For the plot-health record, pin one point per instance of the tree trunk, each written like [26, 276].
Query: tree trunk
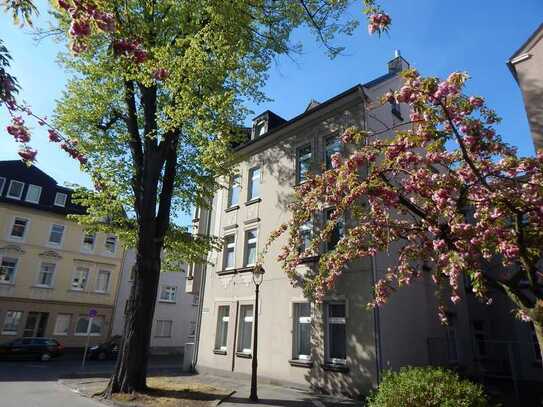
[131, 369]
[538, 327]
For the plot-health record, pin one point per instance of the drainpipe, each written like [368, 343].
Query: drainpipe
[376, 325]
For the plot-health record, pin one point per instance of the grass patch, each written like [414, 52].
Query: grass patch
[171, 392]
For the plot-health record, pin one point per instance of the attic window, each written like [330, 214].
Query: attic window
[260, 128]
[60, 199]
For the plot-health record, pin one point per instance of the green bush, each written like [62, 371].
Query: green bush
[426, 387]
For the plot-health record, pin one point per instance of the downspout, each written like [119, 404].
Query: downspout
[201, 292]
[376, 313]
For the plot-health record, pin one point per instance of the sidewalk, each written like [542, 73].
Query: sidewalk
[269, 395]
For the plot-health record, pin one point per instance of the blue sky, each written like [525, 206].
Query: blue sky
[435, 36]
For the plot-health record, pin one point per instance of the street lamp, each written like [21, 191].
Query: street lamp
[258, 275]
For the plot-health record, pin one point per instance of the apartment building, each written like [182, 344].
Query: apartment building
[52, 272]
[338, 346]
[526, 66]
[175, 312]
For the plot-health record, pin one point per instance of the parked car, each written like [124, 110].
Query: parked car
[106, 350]
[42, 349]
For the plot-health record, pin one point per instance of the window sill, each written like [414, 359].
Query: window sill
[244, 355]
[47, 287]
[102, 292]
[232, 208]
[75, 290]
[247, 269]
[9, 333]
[219, 352]
[167, 302]
[253, 201]
[301, 363]
[85, 334]
[8, 283]
[335, 367]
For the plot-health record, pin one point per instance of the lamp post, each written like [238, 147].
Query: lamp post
[258, 275]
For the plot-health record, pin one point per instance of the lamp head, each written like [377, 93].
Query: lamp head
[258, 274]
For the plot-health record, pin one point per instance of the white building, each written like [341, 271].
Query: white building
[175, 312]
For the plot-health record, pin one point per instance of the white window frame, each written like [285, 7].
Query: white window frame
[306, 226]
[169, 290]
[241, 323]
[12, 182]
[225, 250]
[20, 317]
[89, 325]
[103, 271]
[299, 178]
[159, 328]
[40, 270]
[78, 271]
[251, 183]
[55, 244]
[248, 241]
[2, 184]
[223, 322]
[297, 321]
[34, 188]
[12, 281]
[61, 203]
[235, 182]
[83, 247]
[106, 250]
[335, 321]
[55, 329]
[25, 233]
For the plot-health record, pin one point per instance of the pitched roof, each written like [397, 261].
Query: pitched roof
[536, 36]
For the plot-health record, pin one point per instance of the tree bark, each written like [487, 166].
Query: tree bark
[538, 328]
[130, 373]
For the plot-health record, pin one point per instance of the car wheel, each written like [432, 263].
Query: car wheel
[102, 356]
[45, 357]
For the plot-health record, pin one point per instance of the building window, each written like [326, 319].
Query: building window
[8, 269]
[254, 183]
[163, 328]
[15, 189]
[335, 333]
[395, 109]
[260, 128]
[337, 232]
[18, 230]
[229, 252]
[331, 146]
[56, 234]
[111, 244]
[479, 336]
[2, 183]
[88, 242]
[303, 162]
[234, 190]
[46, 275]
[102, 282]
[62, 324]
[11, 322]
[60, 199]
[245, 333]
[95, 329]
[33, 193]
[80, 278]
[306, 234]
[221, 336]
[168, 293]
[302, 331]
[250, 247]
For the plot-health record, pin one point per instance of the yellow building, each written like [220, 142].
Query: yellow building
[52, 273]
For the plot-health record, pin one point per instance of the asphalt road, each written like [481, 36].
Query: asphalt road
[35, 384]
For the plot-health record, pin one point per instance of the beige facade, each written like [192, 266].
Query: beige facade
[53, 273]
[527, 67]
[338, 346]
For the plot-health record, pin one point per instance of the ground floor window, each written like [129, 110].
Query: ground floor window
[11, 322]
[245, 333]
[163, 328]
[335, 332]
[221, 336]
[96, 328]
[62, 324]
[302, 331]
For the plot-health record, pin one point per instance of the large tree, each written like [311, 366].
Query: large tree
[151, 111]
[444, 189]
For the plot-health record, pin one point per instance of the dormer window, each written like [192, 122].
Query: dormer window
[33, 193]
[60, 199]
[15, 190]
[260, 128]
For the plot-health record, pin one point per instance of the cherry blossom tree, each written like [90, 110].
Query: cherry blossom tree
[447, 191]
